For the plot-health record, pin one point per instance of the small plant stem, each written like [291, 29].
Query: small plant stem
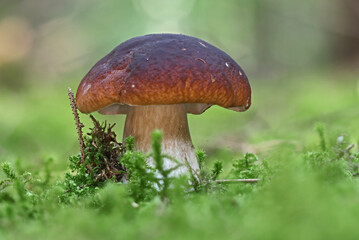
[248, 180]
[79, 125]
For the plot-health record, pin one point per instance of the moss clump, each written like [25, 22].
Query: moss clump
[102, 161]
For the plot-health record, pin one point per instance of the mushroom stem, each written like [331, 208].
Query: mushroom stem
[141, 121]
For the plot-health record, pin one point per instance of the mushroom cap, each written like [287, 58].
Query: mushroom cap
[161, 69]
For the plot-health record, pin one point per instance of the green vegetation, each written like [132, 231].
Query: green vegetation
[300, 137]
[306, 159]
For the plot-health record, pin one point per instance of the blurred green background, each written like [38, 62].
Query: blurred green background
[301, 58]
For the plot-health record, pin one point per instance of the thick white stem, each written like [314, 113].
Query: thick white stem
[141, 121]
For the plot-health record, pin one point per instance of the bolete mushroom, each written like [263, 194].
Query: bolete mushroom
[156, 80]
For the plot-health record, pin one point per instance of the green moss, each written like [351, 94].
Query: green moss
[308, 186]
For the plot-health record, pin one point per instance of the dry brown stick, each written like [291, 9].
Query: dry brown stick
[79, 125]
[248, 180]
[110, 165]
[98, 177]
[104, 174]
[106, 164]
[347, 149]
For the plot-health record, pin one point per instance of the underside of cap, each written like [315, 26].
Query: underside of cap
[116, 108]
[162, 69]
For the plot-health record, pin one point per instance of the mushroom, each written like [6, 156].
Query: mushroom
[156, 80]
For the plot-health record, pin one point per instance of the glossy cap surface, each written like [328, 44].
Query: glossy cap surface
[161, 69]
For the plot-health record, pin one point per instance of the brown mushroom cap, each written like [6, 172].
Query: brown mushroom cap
[161, 69]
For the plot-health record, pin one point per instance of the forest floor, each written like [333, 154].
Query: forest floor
[300, 138]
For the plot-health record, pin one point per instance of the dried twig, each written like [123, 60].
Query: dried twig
[347, 149]
[248, 180]
[79, 125]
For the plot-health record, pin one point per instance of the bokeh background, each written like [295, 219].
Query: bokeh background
[301, 57]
